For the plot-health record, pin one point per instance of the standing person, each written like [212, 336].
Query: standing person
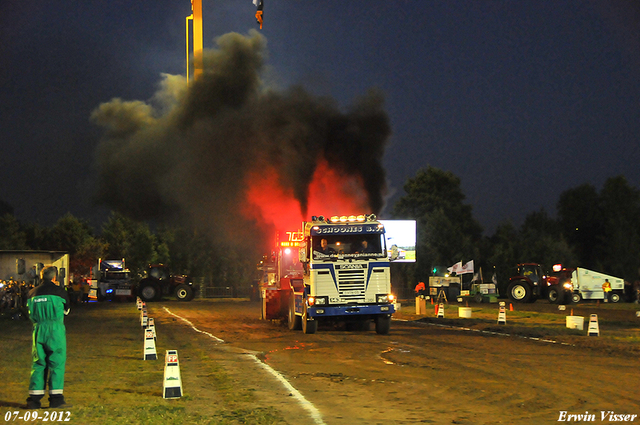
[606, 288]
[47, 305]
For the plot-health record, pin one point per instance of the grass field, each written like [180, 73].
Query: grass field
[108, 382]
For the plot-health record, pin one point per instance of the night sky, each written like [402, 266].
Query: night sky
[521, 100]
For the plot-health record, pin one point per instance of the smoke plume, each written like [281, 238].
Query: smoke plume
[230, 155]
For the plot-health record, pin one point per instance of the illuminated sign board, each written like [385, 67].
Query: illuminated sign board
[401, 240]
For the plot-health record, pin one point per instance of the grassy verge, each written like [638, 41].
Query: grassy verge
[108, 382]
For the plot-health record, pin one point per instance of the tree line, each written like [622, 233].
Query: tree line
[184, 251]
[597, 230]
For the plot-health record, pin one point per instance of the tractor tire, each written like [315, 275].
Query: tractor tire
[478, 298]
[614, 297]
[555, 294]
[294, 321]
[383, 324]
[149, 292]
[309, 326]
[519, 292]
[184, 293]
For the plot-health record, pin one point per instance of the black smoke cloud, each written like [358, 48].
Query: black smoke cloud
[185, 153]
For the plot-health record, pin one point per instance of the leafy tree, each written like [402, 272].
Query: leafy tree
[603, 228]
[447, 231]
[619, 243]
[505, 249]
[36, 235]
[131, 240]
[541, 241]
[580, 218]
[67, 234]
[76, 237]
[11, 236]
[5, 208]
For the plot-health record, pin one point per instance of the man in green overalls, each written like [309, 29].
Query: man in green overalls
[48, 303]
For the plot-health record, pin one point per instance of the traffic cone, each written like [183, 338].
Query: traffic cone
[594, 329]
[441, 310]
[510, 307]
[172, 387]
[149, 346]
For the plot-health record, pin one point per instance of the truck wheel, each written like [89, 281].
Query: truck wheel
[614, 297]
[148, 292]
[519, 292]
[294, 321]
[184, 293]
[309, 326]
[576, 298]
[555, 295]
[478, 298]
[383, 324]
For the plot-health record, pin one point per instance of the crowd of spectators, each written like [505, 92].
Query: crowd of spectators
[13, 295]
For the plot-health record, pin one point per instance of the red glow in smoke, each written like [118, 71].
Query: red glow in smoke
[330, 193]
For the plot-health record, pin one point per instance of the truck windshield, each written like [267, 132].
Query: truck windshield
[290, 263]
[348, 246]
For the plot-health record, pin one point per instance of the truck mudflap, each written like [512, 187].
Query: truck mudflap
[351, 310]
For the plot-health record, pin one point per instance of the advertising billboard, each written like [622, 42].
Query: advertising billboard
[401, 240]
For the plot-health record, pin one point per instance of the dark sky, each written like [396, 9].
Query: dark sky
[520, 99]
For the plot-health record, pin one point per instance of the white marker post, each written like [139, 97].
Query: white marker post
[149, 346]
[172, 387]
[152, 325]
[594, 329]
[502, 314]
[143, 318]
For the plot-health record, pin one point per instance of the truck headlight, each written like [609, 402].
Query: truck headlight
[568, 285]
[311, 301]
[385, 298]
[322, 301]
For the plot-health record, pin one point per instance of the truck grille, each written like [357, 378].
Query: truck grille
[351, 284]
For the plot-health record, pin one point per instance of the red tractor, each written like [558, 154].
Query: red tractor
[159, 282]
[531, 283]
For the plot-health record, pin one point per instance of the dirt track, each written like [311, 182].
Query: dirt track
[426, 373]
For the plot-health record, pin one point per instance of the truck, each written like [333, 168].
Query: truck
[341, 274]
[159, 282]
[589, 285]
[111, 280]
[530, 283]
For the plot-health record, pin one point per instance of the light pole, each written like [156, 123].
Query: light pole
[196, 18]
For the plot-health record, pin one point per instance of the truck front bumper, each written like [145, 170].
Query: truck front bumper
[351, 310]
